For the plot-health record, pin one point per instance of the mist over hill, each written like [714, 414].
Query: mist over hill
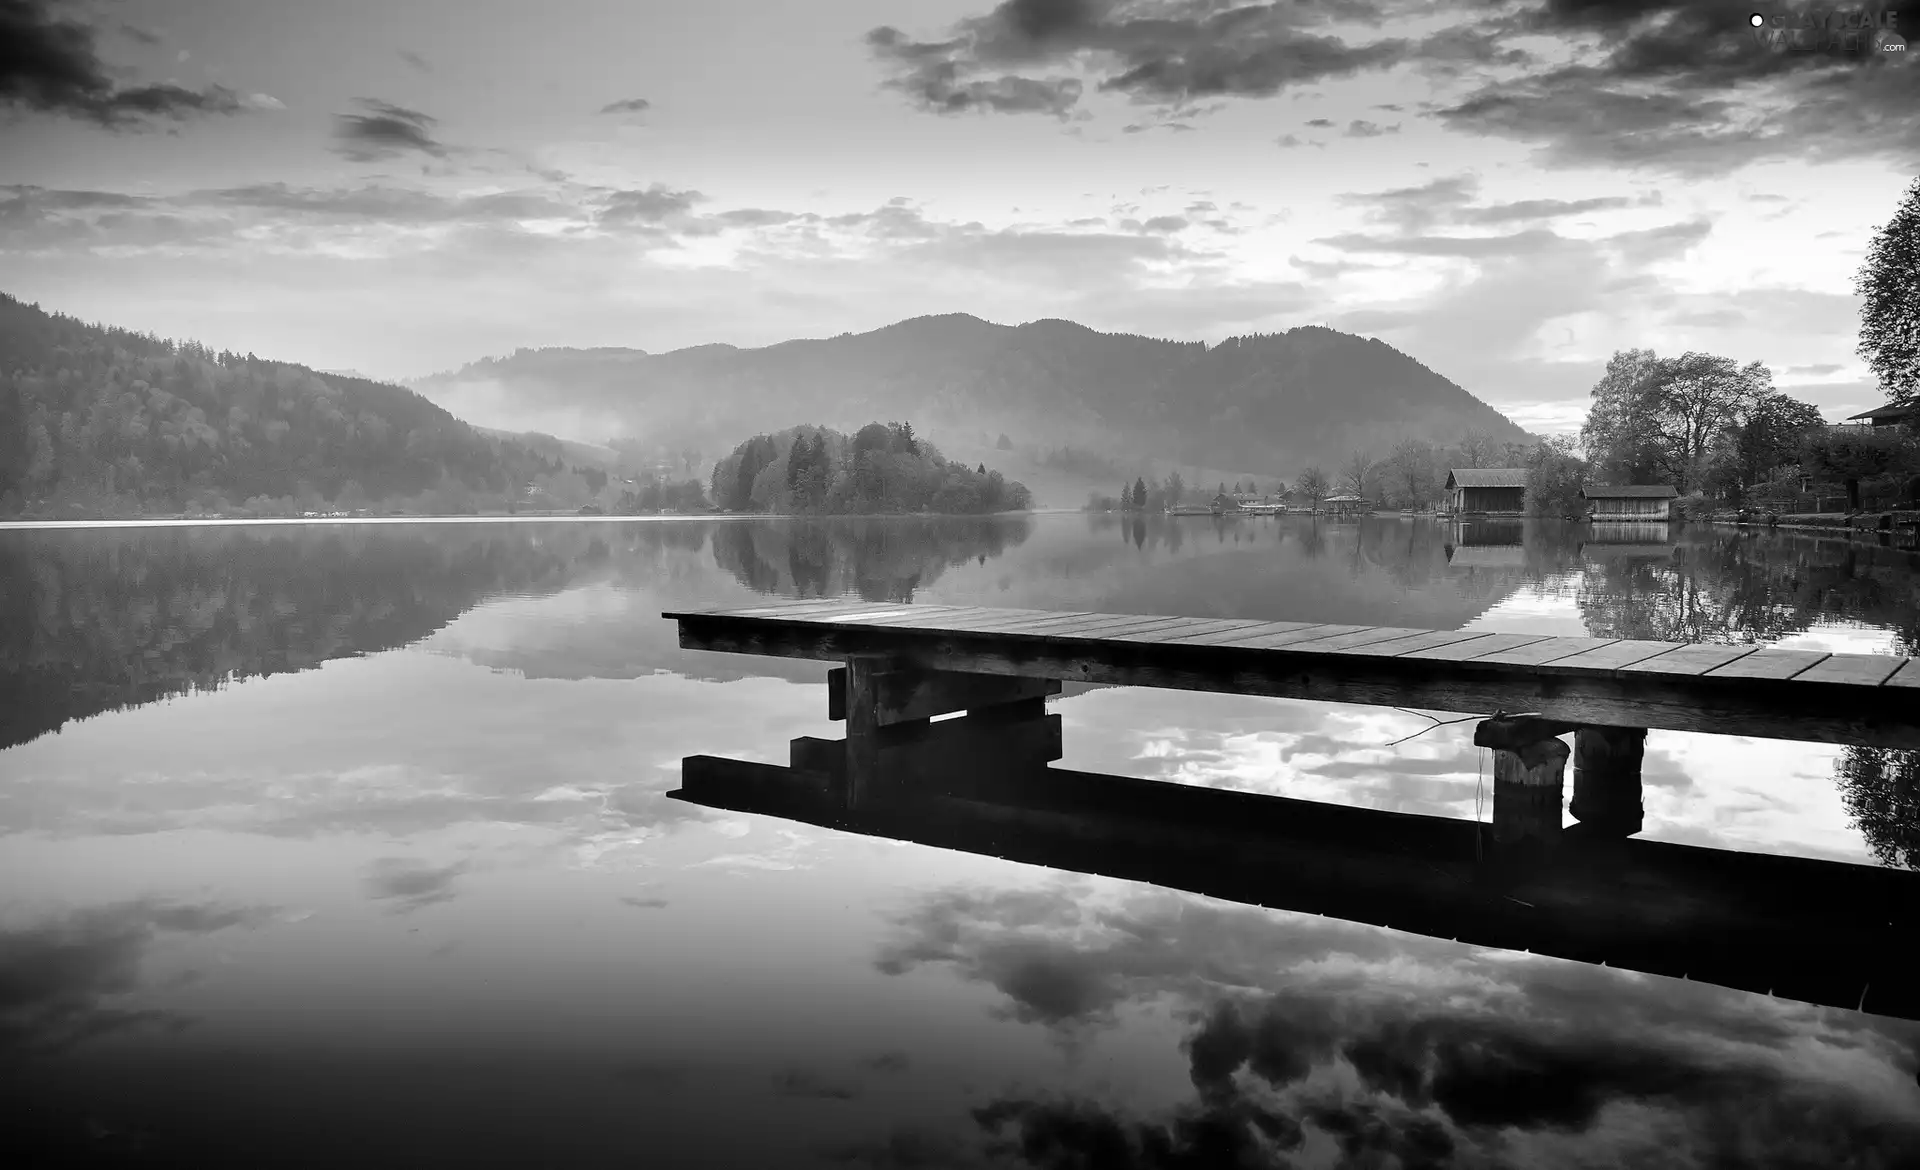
[1258, 402]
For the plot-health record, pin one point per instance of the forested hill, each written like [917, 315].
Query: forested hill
[1311, 393]
[103, 421]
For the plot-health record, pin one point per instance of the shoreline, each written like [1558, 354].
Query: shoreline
[561, 518]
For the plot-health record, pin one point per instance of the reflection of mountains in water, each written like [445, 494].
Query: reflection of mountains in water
[100, 620]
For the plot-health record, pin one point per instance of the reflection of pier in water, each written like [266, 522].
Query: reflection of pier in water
[1824, 932]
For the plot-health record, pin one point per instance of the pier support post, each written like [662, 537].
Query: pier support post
[1528, 785]
[893, 749]
[1606, 779]
[863, 728]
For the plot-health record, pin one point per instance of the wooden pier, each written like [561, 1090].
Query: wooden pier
[982, 782]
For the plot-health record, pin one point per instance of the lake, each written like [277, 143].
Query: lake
[350, 844]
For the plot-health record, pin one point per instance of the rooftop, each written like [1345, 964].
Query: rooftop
[1487, 477]
[1631, 491]
[1891, 412]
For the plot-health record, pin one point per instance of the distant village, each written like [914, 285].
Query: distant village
[1826, 484]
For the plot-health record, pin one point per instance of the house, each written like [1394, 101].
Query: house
[1493, 491]
[1225, 502]
[1347, 505]
[1888, 416]
[1642, 502]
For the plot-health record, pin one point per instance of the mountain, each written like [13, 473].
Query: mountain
[103, 421]
[1262, 402]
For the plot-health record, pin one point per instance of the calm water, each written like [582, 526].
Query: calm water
[350, 845]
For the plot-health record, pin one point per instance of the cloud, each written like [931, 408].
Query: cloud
[627, 106]
[1665, 85]
[1402, 1051]
[655, 204]
[134, 32]
[58, 978]
[1359, 128]
[385, 131]
[416, 60]
[1682, 86]
[1171, 56]
[411, 883]
[51, 65]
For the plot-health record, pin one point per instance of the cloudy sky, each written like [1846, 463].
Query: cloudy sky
[1508, 190]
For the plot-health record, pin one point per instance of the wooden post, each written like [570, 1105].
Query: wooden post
[1606, 779]
[863, 729]
[1528, 784]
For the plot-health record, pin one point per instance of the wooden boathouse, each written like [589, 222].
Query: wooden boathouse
[1824, 932]
[1632, 503]
[1487, 491]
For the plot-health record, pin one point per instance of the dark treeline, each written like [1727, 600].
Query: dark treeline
[105, 421]
[884, 467]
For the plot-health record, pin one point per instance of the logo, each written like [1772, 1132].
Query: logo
[1817, 29]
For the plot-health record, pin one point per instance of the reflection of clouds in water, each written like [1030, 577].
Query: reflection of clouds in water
[412, 884]
[59, 976]
[1344, 1042]
[400, 745]
[1726, 791]
[1303, 750]
[1844, 638]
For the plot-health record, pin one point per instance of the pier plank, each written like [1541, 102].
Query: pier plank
[1425, 640]
[916, 616]
[1688, 660]
[1851, 669]
[1264, 629]
[1769, 663]
[1471, 651]
[1540, 653]
[1608, 658]
[1364, 636]
[798, 609]
[1906, 676]
[1263, 641]
[1117, 626]
[1190, 627]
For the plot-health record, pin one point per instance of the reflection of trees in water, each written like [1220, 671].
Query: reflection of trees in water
[877, 560]
[1881, 789]
[1722, 586]
[97, 621]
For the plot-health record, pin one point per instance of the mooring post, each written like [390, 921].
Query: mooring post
[1528, 786]
[1606, 779]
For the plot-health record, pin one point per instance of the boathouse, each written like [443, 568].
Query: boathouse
[1887, 417]
[1347, 505]
[1631, 502]
[1493, 491]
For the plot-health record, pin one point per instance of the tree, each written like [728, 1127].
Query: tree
[1662, 417]
[1615, 441]
[1852, 454]
[1410, 470]
[1356, 473]
[1312, 483]
[1139, 494]
[1477, 449]
[1004, 443]
[1770, 434]
[1889, 288]
[1880, 788]
[1176, 488]
[1555, 475]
